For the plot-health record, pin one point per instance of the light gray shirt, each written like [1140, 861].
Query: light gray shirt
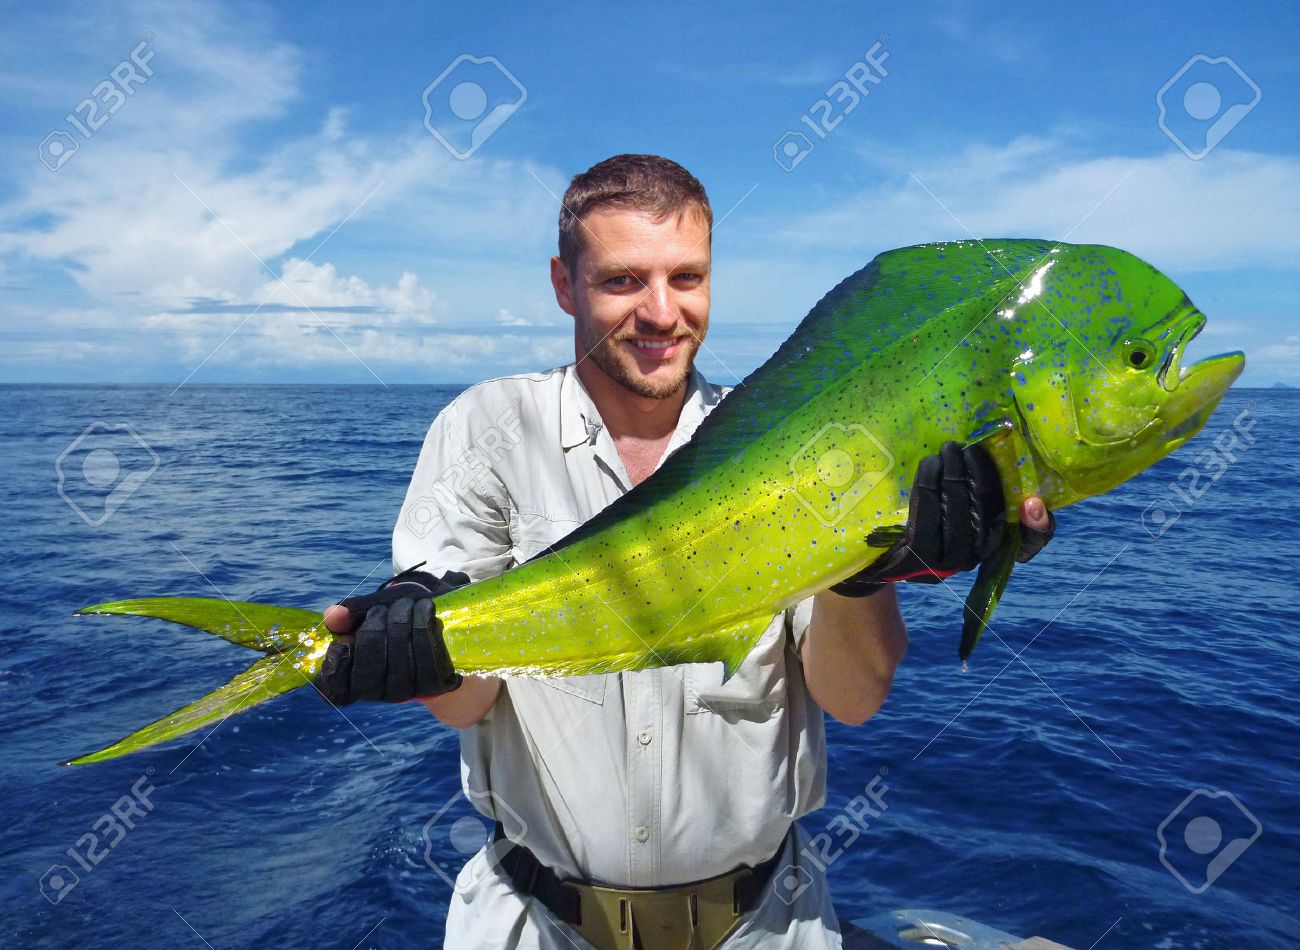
[633, 779]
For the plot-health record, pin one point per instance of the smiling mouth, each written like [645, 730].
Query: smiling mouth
[655, 344]
[655, 348]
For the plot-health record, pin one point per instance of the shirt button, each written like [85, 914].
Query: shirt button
[642, 833]
[643, 737]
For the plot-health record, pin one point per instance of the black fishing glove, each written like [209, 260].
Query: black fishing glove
[399, 653]
[955, 521]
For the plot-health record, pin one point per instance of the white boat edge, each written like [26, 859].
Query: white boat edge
[911, 928]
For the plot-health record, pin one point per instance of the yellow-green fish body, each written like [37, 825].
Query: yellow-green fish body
[1064, 359]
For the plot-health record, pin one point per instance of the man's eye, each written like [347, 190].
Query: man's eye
[687, 277]
[621, 281]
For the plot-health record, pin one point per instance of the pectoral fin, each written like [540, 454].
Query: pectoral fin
[983, 598]
[886, 536]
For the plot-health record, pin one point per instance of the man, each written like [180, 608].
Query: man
[675, 791]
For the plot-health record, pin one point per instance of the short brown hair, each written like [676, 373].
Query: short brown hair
[650, 183]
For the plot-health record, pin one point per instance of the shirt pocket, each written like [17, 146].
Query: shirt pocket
[532, 532]
[564, 698]
[757, 690]
[591, 687]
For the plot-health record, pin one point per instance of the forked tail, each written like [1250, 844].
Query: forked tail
[293, 639]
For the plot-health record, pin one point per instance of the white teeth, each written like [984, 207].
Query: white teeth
[653, 344]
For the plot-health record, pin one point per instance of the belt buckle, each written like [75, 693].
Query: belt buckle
[693, 917]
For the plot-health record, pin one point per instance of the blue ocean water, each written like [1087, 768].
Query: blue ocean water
[1138, 685]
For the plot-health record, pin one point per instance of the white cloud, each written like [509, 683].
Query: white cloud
[149, 223]
[984, 35]
[1232, 210]
[1216, 227]
[338, 343]
[186, 211]
[303, 284]
[462, 246]
[1280, 358]
[335, 125]
[547, 318]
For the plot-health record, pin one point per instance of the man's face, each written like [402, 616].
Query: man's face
[639, 297]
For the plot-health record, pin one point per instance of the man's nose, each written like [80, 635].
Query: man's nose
[656, 309]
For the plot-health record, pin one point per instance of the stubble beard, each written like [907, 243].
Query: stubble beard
[620, 367]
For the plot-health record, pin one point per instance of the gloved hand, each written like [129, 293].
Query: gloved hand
[398, 653]
[955, 521]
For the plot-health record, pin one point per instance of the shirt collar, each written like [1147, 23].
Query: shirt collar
[580, 420]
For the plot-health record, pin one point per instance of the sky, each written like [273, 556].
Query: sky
[197, 192]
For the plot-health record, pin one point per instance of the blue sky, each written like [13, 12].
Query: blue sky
[268, 205]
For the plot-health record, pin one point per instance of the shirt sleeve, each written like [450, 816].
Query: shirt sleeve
[455, 516]
[798, 617]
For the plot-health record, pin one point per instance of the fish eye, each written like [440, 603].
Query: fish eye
[1139, 354]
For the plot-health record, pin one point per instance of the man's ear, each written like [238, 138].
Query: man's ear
[562, 281]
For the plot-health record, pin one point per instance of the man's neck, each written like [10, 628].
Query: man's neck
[629, 415]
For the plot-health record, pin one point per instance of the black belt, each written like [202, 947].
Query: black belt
[531, 878]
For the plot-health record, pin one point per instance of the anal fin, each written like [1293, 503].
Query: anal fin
[729, 645]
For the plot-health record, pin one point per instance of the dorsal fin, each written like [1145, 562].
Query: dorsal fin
[896, 293]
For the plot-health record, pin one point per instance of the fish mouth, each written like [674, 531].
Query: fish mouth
[1199, 387]
[1172, 372]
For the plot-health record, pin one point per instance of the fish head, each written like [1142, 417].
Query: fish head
[1105, 393]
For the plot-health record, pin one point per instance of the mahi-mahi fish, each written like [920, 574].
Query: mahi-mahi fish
[1065, 360]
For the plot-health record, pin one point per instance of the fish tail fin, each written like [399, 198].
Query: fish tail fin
[983, 598]
[262, 627]
[267, 678]
[294, 639]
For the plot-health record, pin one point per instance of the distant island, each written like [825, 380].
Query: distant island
[1283, 386]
